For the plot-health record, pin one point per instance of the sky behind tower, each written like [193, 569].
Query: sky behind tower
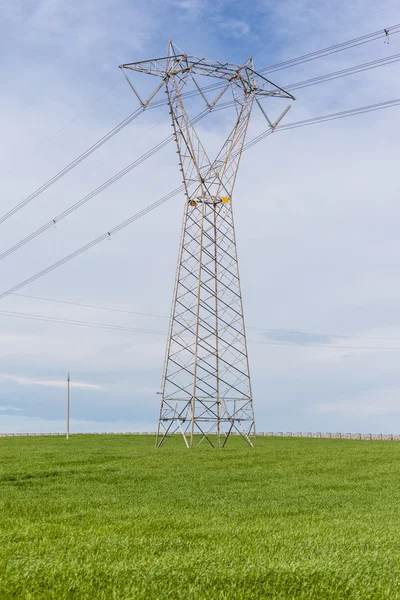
[316, 212]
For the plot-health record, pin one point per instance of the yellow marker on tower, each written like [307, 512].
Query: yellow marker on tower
[225, 200]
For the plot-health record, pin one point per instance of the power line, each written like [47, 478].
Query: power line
[381, 62]
[371, 37]
[176, 191]
[152, 315]
[342, 114]
[94, 306]
[163, 143]
[82, 157]
[365, 39]
[100, 164]
[35, 317]
[324, 118]
[83, 200]
[72, 164]
[292, 62]
[95, 325]
[100, 188]
[54, 135]
[96, 241]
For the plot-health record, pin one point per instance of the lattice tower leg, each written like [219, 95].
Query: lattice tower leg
[206, 384]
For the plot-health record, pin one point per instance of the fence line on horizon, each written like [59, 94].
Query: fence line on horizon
[395, 437]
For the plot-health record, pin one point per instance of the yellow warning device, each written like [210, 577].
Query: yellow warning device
[193, 203]
[225, 200]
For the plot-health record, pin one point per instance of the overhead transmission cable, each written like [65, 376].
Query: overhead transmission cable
[22, 315]
[57, 133]
[80, 304]
[102, 187]
[324, 118]
[387, 60]
[98, 165]
[381, 62]
[72, 164]
[96, 241]
[179, 189]
[293, 62]
[371, 37]
[364, 39]
[82, 201]
[167, 140]
[289, 63]
[107, 326]
[152, 315]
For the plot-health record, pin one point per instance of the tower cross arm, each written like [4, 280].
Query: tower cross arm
[242, 75]
[158, 66]
[265, 87]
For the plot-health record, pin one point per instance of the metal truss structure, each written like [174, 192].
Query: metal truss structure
[206, 388]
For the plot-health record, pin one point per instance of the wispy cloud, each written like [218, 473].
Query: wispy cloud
[302, 339]
[48, 382]
[236, 27]
[7, 408]
[191, 8]
[359, 408]
[23, 424]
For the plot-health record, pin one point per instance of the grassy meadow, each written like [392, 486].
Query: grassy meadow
[111, 517]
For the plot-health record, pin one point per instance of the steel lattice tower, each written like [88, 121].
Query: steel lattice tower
[206, 389]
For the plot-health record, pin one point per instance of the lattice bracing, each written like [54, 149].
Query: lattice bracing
[207, 383]
[206, 388]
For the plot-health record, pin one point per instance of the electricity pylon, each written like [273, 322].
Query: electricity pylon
[206, 388]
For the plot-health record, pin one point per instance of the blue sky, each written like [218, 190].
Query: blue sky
[316, 211]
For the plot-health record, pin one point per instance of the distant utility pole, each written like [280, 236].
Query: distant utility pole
[68, 386]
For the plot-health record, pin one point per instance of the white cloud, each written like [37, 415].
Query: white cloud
[48, 382]
[7, 408]
[191, 8]
[187, 4]
[356, 408]
[369, 402]
[86, 28]
[236, 27]
[17, 424]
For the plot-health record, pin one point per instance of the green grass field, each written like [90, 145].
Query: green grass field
[112, 517]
